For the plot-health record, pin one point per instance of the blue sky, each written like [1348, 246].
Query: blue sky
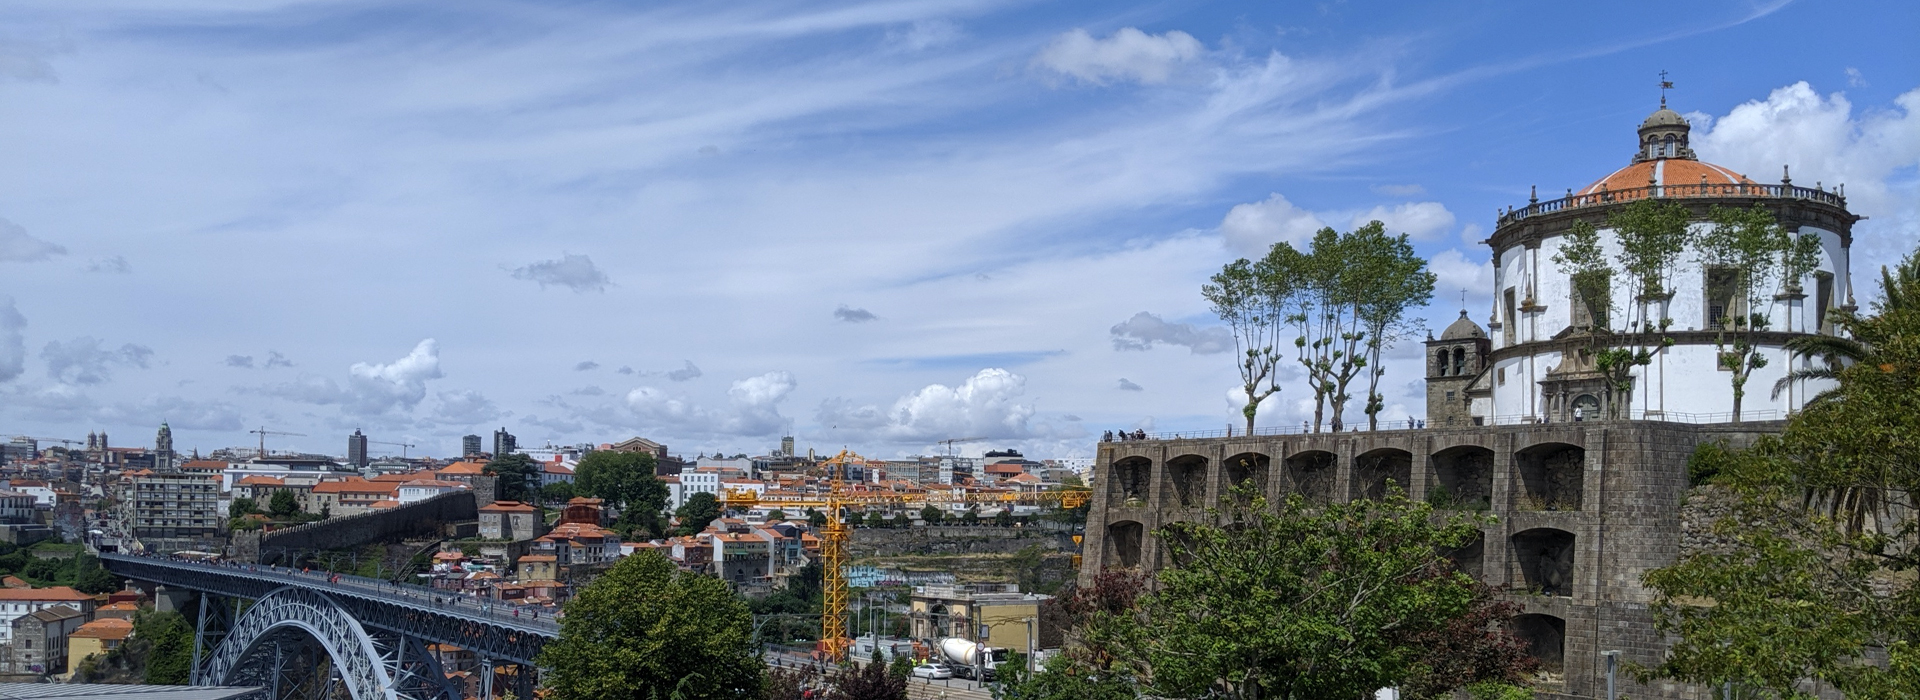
[879, 225]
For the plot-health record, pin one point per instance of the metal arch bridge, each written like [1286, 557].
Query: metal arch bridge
[372, 633]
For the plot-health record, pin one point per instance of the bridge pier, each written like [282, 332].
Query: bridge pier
[486, 678]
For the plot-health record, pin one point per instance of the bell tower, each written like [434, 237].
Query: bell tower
[1454, 362]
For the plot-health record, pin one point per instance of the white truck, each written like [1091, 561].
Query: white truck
[970, 659]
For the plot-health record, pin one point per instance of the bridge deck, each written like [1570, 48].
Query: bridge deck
[499, 629]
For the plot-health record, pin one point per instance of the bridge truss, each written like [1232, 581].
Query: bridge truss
[318, 636]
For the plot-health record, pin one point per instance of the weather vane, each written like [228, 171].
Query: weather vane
[1665, 85]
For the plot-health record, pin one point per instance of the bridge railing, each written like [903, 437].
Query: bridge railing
[529, 618]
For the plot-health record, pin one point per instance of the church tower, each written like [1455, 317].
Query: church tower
[1454, 362]
[163, 448]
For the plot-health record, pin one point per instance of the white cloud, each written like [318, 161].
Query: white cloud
[1472, 234]
[1130, 386]
[1855, 78]
[1453, 271]
[1254, 227]
[1144, 329]
[986, 405]
[16, 245]
[13, 340]
[400, 384]
[1419, 220]
[371, 389]
[1129, 54]
[83, 361]
[1874, 154]
[753, 408]
[575, 272]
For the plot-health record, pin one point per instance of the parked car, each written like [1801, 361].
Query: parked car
[938, 672]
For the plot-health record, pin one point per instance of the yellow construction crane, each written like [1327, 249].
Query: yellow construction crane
[834, 641]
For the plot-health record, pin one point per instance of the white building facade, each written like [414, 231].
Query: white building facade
[1531, 363]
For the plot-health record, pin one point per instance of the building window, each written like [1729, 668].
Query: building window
[1459, 361]
[1508, 328]
[1723, 297]
[1822, 298]
[1591, 312]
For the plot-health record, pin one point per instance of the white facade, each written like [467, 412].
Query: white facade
[1536, 371]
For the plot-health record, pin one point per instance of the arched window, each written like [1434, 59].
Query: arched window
[1459, 361]
[1440, 363]
[1668, 148]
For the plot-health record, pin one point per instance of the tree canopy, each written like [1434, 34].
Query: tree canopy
[1303, 601]
[626, 482]
[518, 476]
[699, 510]
[646, 630]
[1811, 575]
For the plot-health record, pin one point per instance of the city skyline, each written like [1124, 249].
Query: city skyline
[870, 225]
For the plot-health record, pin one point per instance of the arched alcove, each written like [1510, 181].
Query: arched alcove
[1470, 558]
[1248, 467]
[1465, 478]
[1124, 540]
[1544, 557]
[1310, 474]
[1373, 471]
[1551, 476]
[1187, 481]
[1546, 638]
[1130, 478]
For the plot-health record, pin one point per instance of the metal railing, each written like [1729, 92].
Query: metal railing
[532, 619]
[1604, 197]
[1411, 424]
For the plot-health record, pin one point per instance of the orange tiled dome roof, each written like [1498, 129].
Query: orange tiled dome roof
[1663, 172]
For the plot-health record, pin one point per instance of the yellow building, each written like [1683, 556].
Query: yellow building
[96, 638]
[999, 611]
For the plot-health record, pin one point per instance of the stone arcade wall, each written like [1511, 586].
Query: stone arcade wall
[1614, 489]
[354, 530]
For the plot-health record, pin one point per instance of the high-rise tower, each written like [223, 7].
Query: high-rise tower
[357, 449]
[163, 448]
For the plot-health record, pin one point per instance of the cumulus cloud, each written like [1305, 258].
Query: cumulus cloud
[1254, 227]
[83, 360]
[575, 272]
[1419, 220]
[1874, 153]
[242, 361]
[753, 407]
[852, 315]
[585, 365]
[985, 405]
[1454, 271]
[16, 245]
[465, 407]
[1129, 54]
[1855, 78]
[371, 388]
[1145, 329]
[112, 265]
[13, 340]
[1130, 386]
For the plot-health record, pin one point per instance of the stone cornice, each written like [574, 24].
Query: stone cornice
[1793, 213]
[1573, 343]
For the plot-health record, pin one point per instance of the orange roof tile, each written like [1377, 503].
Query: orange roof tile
[104, 628]
[506, 507]
[463, 469]
[61, 593]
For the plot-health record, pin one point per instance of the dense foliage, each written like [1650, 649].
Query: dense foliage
[626, 482]
[700, 510]
[517, 476]
[1811, 576]
[647, 630]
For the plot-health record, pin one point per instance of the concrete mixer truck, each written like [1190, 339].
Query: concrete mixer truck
[970, 659]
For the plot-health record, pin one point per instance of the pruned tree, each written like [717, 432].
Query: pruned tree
[646, 630]
[1399, 282]
[1251, 298]
[1749, 257]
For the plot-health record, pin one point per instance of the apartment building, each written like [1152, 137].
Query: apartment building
[169, 506]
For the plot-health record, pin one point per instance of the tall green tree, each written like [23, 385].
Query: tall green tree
[1757, 258]
[1812, 576]
[626, 482]
[169, 647]
[283, 504]
[518, 476]
[1252, 299]
[1400, 282]
[241, 507]
[1298, 601]
[646, 630]
[699, 510]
